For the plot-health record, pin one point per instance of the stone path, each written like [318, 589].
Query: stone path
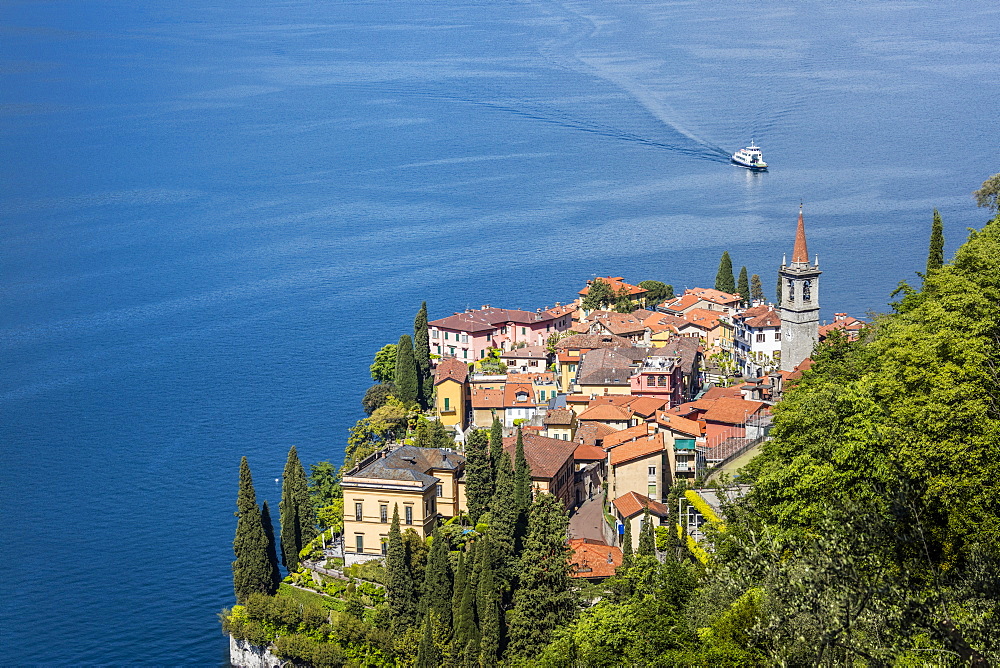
[587, 520]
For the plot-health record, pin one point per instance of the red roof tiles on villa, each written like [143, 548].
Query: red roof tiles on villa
[593, 558]
[637, 449]
[633, 503]
[451, 369]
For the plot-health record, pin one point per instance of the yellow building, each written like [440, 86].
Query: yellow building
[451, 393]
[422, 483]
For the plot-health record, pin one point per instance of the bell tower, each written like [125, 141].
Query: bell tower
[799, 303]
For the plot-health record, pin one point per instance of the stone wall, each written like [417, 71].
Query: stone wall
[245, 655]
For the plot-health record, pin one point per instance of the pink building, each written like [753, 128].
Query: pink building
[470, 335]
[660, 377]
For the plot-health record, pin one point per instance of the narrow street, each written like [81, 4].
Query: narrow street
[587, 520]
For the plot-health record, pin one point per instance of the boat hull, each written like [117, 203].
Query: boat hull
[756, 167]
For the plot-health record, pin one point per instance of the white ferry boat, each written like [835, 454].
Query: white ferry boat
[750, 157]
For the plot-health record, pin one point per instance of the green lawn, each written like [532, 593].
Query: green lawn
[309, 597]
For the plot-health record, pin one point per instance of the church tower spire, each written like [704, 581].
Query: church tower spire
[799, 303]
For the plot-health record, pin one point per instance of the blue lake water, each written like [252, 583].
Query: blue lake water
[213, 213]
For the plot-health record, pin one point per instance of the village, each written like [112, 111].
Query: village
[615, 408]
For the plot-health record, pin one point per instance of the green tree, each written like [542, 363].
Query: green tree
[437, 588]
[724, 279]
[522, 476]
[478, 474]
[504, 513]
[656, 292]
[496, 444]
[623, 301]
[324, 484]
[422, 355]
[544, 599]
[298, 517]
[406, 381]
[488, 606]
[743, 287]
[599, 295]
[428, 655]
[935, 254]
[457, 592]
[376, 396]
[251, 569]
[777, 291]
[627, 543]
[987, 195]
[432, 434]
[383, 368]
[647, 538]
[272, 554]
[756, 289]
[400, 592]
[466, 629]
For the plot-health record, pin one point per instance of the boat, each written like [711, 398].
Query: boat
[750, 157]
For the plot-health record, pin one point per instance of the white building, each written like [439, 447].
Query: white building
[757, 341]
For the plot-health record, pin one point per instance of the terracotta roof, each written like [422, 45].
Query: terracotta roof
[545, 455]
[526, 352]
[604, 367]
[588, 453]
[796, 373]
[561, 310]
[593, 558]
[607, 412]
[800, 253]
[616, 283]
[592, 342]
[589, 433]
[487, 398]
[771, 318]
[642, 447]
[845, 322]
[613, 400]
[510, 392]
[754, 311]
[633, 503]
[647, 406]
[577, 399]
[681, 304]
[625, 435]
[703, 317]
[685, 347]
[676, 423]
[661, 321]
[558, 416]
[616, 323]
[713, 295]
[730, 410]
[451, 369]
[531, 377]
[488, 318]
[719, 392]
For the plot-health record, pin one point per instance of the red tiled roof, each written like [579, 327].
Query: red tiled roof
[616, 283]
[703, 317]
[544, 376]
[730, 410]
[511, 390]
[625, 435]
[545, 455]
[451, 369]
[588, 453]
[682, 303]
[720, 392]
[590, 432]
[487, 398]
[770, 318]
[607, 412]
[558, 416]
[676, 423]
[592, 342]
[642, 447]
[593, 558]
[647, 406]
[633, 503]
[713, 295]
[525, 352]
[613, 400]
[796, 373]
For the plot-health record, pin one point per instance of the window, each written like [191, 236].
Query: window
[358, 514]
[437, 348]
[661, 381]
[543, 395]
[384, 544]
[777, 336]
[359, 543]
[650, 381]
[791, 290]
[451, 350]
[383, 513]
[807, 290]
[409, 515]
[440, 490]
[760, 337]
[434, 333]
[572, 368]
[651, 491]
[465, 337]
[482, 354]
[524, 330]
[446, 336]
[447, 402]
[652, 470]
[465, 353]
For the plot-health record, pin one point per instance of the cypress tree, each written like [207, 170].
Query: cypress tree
[422, 355]
[251, 569]
[935, 254]
[522, 476]
[428, 655]
[743, 287]
[488, 607]
[466, 630]
[647, 537]
[407, 385]
[627, 543]
[496, 445]
[543, 600]
[456, 596]
[400, 593]
[724, 280]
[756, 289]
[298, 518]
[437, 593]
[777, 292]
[505, 516]
[478, 474]
[272, 554]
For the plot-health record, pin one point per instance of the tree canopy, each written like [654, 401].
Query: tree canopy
[251, 570]
[656, 292]
[599, 295]
[724, 279]
[405, 378]
[743, 287]
[988, 193]
[383, 368]
[756, 289]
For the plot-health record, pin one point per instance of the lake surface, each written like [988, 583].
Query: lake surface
[213, 213]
